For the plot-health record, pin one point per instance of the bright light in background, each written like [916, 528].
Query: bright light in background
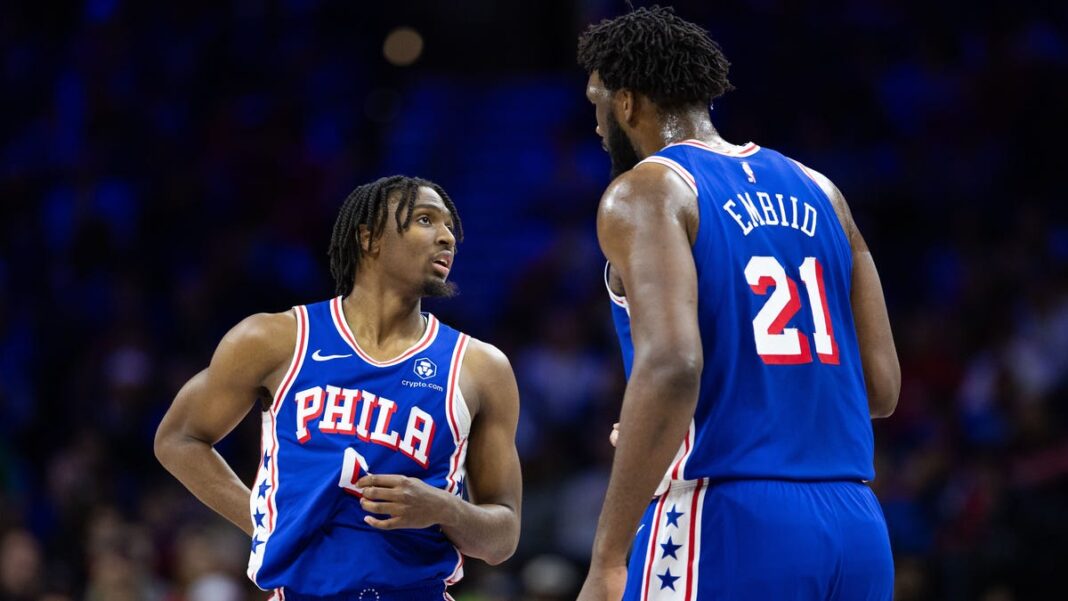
[403, 46]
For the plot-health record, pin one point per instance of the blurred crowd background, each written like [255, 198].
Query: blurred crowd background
[167, 169]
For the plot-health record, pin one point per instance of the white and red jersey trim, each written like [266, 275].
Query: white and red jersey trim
[337, 313]
[686, 498]
[459, 416]
[676, 167]
[269, 442]
[460, 427]
[748, 149]
[617, 299]
[677, 468]
[650, 554]
[291, 375]
[296, 362]
[808, 172]
[458, 572]
[694, 553]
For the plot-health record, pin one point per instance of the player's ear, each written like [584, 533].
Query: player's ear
[623, 102]
[368, 244]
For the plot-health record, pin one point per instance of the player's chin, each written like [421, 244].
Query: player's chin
[438, 287]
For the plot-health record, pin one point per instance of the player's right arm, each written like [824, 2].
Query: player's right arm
[248, 364]
[882, 373]
[645, 225]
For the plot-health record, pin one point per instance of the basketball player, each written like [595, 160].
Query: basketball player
[373, 415]
[755, 338]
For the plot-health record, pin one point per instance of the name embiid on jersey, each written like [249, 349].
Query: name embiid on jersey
[782, 392]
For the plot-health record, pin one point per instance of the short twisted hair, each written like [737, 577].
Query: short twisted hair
[366, 205]
[657, 53]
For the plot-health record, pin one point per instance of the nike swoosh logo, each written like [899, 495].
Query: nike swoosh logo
[639, 529]
[318, 356]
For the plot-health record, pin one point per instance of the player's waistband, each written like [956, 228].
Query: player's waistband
[681, 485]
[433, 592]
[675, 486]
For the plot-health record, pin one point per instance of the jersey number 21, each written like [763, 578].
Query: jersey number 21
[775, 343]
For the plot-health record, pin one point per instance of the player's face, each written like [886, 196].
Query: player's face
[422, 255]
[614, 140]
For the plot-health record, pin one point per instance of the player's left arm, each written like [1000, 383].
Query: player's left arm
[878, 354]
[487, 527]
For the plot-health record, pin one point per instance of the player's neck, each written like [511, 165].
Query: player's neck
[676, 127]
[382, 318]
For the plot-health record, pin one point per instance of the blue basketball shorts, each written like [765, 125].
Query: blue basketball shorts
[761, 540]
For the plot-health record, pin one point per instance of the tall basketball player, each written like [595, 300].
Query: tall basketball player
[376, 419]
[755, 338]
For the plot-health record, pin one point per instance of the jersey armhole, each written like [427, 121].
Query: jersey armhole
[459, 414]
[621, 301]
[830, 201]
[300, 349]
[806, 171]
[679, 170]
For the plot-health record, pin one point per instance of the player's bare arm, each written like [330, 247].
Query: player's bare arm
[645, 224]
[487, 527]
[882, 373]
[247, 365]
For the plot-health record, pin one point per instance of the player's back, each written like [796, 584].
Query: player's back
[782, 392]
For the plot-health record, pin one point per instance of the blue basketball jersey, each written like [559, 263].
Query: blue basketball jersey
[337, 416]
[782, 391]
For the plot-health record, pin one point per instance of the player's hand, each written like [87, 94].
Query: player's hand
[409, 502]
[604, 584]
[614, 436]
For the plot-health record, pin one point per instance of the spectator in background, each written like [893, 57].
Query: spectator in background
[21, 566]
[158, 165]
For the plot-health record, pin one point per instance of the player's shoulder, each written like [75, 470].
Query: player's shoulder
[649, 188]
[834, 195]
[262, 336]
[484, 360]
[263, 327]
[649, 175]
[819, 178]
[487, 378]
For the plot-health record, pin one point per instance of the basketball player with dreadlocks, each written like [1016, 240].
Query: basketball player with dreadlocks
[755, 338]
[373, 415]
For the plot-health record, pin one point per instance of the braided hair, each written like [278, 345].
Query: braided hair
[367, 205]
[657, 53]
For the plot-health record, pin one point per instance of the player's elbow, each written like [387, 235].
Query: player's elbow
[161, 446]
[883, 405]
[884, 389]
[500, 557]
[676, 372]
[167, 445]
[505, 549]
